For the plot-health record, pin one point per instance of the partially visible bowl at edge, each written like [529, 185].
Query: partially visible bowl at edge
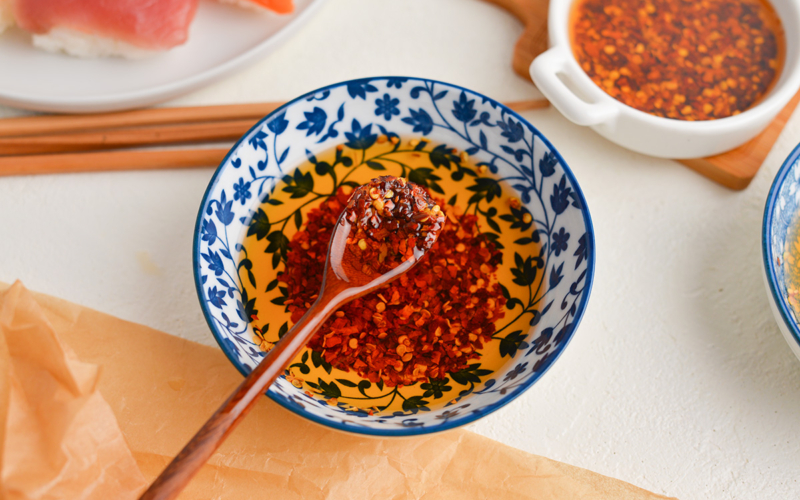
[780, 216]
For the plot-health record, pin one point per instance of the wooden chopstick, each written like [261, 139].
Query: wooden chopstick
[126, 137]
[56, 124]
[111, 161]
[528, 105]
[73, 141]
[149, 132]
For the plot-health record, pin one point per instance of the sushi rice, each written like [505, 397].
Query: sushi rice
[245, 4]
[76, 43]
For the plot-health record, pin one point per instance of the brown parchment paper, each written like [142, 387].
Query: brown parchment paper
[162, 389]
[59, 437]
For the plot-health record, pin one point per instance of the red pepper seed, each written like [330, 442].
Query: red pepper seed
[431, 326]
[678, 59]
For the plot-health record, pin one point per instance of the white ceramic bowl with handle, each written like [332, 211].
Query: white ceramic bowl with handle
[560, 78]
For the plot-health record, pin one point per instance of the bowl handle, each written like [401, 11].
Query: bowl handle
[547, 71]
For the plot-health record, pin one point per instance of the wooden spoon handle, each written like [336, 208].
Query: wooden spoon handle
[197, 451]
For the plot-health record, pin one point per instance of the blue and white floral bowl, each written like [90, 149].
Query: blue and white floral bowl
[546, 273]
[780, 214]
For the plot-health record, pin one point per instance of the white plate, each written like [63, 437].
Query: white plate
[222, 38]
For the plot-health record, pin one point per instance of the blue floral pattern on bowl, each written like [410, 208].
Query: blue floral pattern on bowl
[353, 113]
[780, 214]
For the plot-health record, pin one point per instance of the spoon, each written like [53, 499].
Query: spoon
[386, 228]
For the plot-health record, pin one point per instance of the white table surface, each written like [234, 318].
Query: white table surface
[677, 380]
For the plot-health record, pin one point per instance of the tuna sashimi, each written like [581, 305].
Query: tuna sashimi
[146, 24]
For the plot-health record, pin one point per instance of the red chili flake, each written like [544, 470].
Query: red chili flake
[680, 59]
[431, 321]
[391, 221]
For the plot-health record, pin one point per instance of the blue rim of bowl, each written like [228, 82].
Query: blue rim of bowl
[766, 247]
[406, 431]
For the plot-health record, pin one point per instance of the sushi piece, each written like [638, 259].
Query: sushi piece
[6, 17]
[92, 28]
[277, 6]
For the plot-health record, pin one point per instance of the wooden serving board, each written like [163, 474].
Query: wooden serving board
[733, 169]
